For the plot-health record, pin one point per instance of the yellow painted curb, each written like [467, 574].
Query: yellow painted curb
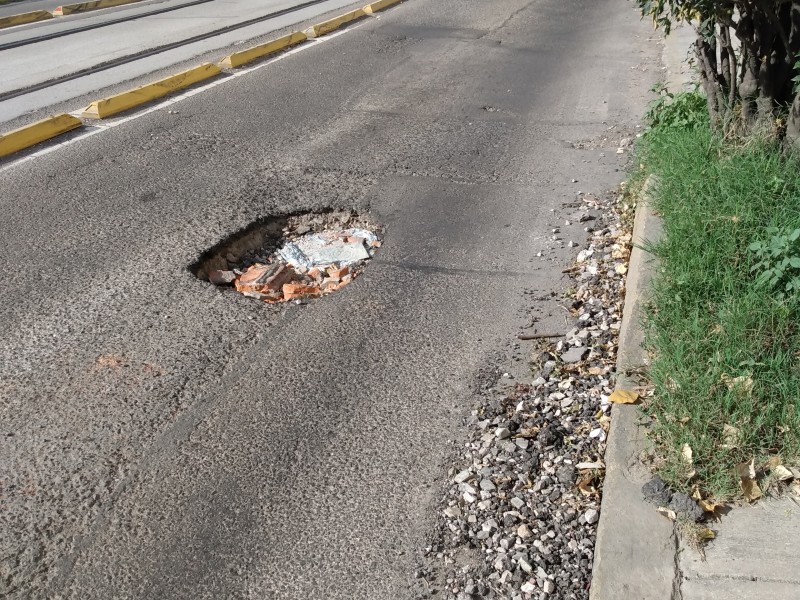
[68, 9]
[380, 5]
[335, 23]
[27, 136]
[237, 59]
[147, 93]
[22, 18]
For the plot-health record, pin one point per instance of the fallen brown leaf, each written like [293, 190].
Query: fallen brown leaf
[586, 484]
[742, 383]
[747, 474]
[623, 397]
[782, 473]
[704, 533]
[730, 437]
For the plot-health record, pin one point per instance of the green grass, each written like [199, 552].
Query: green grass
[709, 320]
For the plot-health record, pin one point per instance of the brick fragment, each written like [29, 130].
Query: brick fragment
[298, 290]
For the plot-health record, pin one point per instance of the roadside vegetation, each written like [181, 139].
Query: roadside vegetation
[724, 321]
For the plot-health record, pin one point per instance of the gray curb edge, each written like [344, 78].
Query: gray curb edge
[636, 550]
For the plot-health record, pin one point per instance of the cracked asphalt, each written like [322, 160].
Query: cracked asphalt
[164, 439]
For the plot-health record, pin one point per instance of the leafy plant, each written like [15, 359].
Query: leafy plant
[746, 52]
[683, 111]
[778, 261]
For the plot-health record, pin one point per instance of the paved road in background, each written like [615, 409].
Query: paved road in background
[163, 439]
[44, 61]
[15, 8]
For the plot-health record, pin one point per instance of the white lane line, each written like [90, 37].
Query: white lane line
[99, 127]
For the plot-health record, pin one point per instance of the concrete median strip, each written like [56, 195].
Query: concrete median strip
[237, 59]
[22, 18]
[380, 5]
[68, 9]
[112, 105]
[30, 135]
[335, 23]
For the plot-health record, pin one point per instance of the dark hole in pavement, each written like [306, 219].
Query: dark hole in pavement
[292, 257]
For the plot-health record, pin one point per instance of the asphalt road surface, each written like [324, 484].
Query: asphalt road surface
[164, 439]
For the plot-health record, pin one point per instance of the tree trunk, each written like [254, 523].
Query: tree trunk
[793, 125]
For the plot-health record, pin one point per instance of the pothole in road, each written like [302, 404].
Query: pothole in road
[292, 257]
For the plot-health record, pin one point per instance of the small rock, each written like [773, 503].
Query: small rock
[657, 492]
[487, 485]
[574, 355]
[528, 587]
[524, 531]
[682, 504]
[221, 277]
[566, 474]
[503, 433]
[453, 512]
[525, 565]
[592, 516]
[462, 476]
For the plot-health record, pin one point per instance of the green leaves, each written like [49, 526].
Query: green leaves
[683, 111]
[777, 261]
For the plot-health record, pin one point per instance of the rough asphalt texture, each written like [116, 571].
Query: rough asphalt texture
[162, 439]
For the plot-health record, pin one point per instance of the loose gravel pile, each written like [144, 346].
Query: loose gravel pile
[520, 512]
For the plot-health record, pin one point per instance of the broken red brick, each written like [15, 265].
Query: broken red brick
[265, 278]
[335, 273]
[314, 272]
[298, 290]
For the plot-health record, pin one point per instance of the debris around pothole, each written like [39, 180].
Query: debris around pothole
[529, 531]
[315, 255]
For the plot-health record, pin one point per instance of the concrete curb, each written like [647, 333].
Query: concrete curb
[68, 9]
[334, 24]
[100, 109]
[380, 5]
[237, 59]
[30, 135]
[22, 18]
[27, 136]
[636, 547]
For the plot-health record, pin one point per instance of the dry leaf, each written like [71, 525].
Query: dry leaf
[581, 466]
[605, 422]
[623, 397]
[684, 420]
[782, 473]
[687, 455]
[670, 514]
[742, 383]
[621, 269]
[730, 437]
[746, 470]
[688, 461]
[751, 490]
[596, 371]
[709, 505]
[585, 485]
[704, 533]
[747, 473]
